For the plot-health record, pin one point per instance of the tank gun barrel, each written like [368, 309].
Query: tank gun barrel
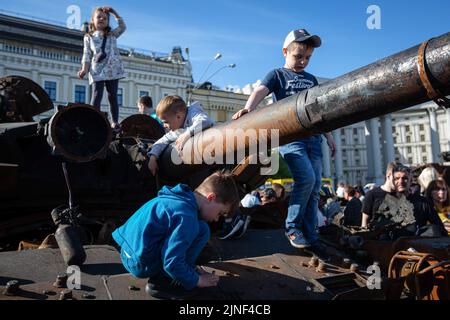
[386, 86]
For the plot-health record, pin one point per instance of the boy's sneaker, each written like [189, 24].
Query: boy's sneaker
[320, 250]
[236, 228]
[297, 240]
[162, 287]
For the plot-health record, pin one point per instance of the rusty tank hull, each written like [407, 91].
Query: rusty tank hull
[108, 176]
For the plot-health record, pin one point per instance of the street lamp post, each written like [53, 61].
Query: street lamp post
[233, 65]
[216, 57]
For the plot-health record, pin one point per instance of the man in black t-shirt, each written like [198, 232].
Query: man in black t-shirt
[393, 205]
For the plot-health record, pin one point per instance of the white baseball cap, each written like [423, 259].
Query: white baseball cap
[301, 35]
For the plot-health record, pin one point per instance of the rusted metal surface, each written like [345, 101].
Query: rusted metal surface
[45, 291]
[254, 279]
[61, 281]
[433, 94]
[37, 270]
[423, 275]
[12, 288]
[21, 99]
[383, 251]
[260, 266]
[77, 139]
[141, 126]
[34, 183]
[347, 286]
[48, 242]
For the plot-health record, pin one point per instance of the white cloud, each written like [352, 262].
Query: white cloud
[247, 89]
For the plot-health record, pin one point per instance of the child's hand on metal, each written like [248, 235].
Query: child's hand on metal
[207, 280]
[240, 113]
[200, 270]
[181, 140]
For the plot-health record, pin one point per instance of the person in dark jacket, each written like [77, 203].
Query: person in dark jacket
[352, 211]
[163, 238]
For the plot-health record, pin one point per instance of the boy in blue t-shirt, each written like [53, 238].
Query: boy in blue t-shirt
[163, 239]
[303, 157]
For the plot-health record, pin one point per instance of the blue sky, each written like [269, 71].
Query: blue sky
[250, 33]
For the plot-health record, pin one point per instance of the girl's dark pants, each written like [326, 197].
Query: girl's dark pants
[97, 94]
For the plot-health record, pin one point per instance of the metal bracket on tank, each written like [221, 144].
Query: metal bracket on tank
[433, 93]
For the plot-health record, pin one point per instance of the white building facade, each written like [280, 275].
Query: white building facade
[51, 55]
[413, 136]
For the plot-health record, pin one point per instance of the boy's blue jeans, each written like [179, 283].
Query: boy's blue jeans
[151, 268]
[304, 159]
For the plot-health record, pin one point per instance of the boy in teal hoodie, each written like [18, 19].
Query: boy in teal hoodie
[163, 239]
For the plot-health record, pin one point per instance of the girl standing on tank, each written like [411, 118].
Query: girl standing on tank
[101, 59]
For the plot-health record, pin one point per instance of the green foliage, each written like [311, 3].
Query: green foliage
[283, 171]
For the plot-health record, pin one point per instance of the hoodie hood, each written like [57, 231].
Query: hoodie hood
[179, 192]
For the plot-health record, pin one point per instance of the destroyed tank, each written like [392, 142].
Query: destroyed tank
[108, 188]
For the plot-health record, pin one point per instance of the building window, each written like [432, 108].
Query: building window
[410, 160]
[407, 128]
[424, 159]
[409, 149]
[422, 137]
[408, 139]
[50, 88]
[355, 131]
[120, 97]
[421, 127]
[143, 93]
[221, 116]
[80, 94]
[424, 149]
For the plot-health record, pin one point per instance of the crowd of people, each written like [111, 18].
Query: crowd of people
[411, 206]
[421, 205]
